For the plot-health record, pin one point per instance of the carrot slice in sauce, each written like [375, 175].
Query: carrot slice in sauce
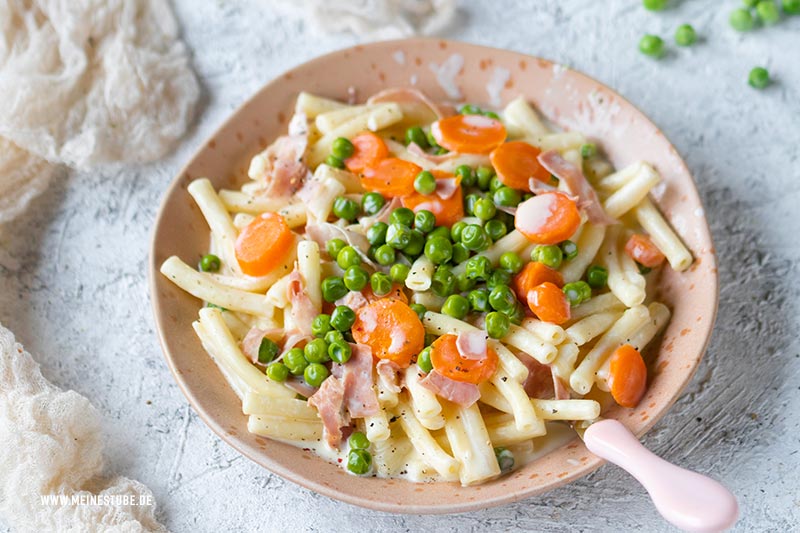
[516, 163]
[548, 218]
[534, 274]
[471, 134]
[447, 360]
[391, 177]
[392, 329]
[369, 149]
[263, 244]
[549, 303]
[627, 376]
[642, 250]
[447, 211]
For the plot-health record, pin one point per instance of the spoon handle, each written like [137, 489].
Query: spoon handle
[688, 500]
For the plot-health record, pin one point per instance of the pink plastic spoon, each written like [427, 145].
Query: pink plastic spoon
[688, 500]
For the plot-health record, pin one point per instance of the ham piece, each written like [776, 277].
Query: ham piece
[329, 402]
[354, 300]
[577, 184]
[407, 95]
[283, 162]
[303, 311]
[462, 393]
[388, 374]
[356, 375]
[416, 149]
[542, 382]
[252, 341]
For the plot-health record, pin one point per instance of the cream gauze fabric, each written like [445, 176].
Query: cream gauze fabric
[22, 176]
[51, 444]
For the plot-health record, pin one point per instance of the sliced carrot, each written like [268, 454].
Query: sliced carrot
[447, 360]
[263, 244]
[516, 163]
[627, 376]
[447, 211]
[642, 250]
[471, 134]
[548, 218]
[392, 329]
[397, 293]
[534, 274]
[391, 177]
[549, 303]
[369, 149]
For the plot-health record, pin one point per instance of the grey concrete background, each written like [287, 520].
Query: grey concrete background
[73, 280]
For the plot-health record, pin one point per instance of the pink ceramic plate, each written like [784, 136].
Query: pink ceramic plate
[482, 75]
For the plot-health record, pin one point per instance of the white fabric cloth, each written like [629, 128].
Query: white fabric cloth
[51, 444]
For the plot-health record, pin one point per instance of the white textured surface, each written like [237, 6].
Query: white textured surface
[73, 280]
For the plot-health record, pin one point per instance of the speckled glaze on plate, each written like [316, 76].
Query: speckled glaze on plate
[483, 75]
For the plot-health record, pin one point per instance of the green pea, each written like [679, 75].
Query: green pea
[267, 351]
[295, 361]
[419, 309]
[502, 298]
[569, 249]
[576, 292]
[483, 177]
[491, 114]
[380, 283]
[315, 373]
[424, 360]
[359, 462]
[588, 150]
[495, 229]
[443, 282]
[333, 161]
[402, 215]
[505, 218]
[347, 257]
[497, 325]
[527, 196]
[767, 11]
[342, 148]
[474, 238]
[516, 314]
[334, 336]
[399, 272]
[741, 20]
[456, 230]
[340, 352]
[511, 261]
[215, 306]
[465, 283]
[355, 278]
[585, 290]
[551, 255]
[479, 300]
[685, 35]
[507, 197]
[460, 253]
[495, 184]
[643, 270]
[316, 351]
[505, 459]
[456, 306]
[321, 325]
[597, 276]
[439, 250]
[333, 288]
[791, 7]
[416, 243]
[342, 318]
[425, 183]
[398, 236]
[758, 78]
[210, 263]
[416, 135]
[651, 45]
[469, 204]
[334, 246]
[345, 208]
[498, 277]
[385, 255]
[372, 202]
[440, 231]
[479, 267]
[655, 5]
[431, 139]
[277, 372]
[424, 221]
[376, 234]
[484, 209]
[470, 109]
[358, 441]
[467, 175]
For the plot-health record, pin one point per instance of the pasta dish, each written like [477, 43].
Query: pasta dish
[418, 290]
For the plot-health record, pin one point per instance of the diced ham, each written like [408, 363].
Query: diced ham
[561, 391]
[464, 394]
[356, 376]
[322, 232]
[403, 95]
[329, 402]
[446, 188]
[252, 341]
[577, 184]
[303, 311]
[293, 338]
[472, 344]
[284, 166]
[416, 149]
[505, 209]
[388, 374]
[542, 382]
[299, 386]
[354, 300]
[382, 215]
